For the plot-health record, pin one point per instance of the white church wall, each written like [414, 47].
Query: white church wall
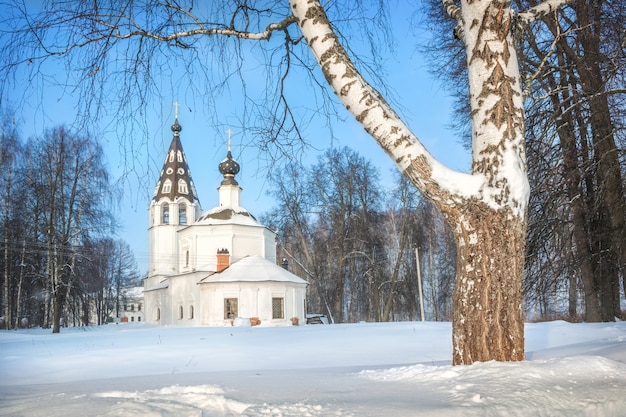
[247, 243]
[156, 306]
[254, 300]
[269, 238]
[163, 250]
[203, 242]
[185, 296]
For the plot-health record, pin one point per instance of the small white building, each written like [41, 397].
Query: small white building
[131, 305]
[214, 267]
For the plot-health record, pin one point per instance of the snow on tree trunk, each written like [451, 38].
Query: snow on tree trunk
[488, 320]
[487, 209]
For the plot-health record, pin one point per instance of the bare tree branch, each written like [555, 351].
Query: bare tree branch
[539, 11]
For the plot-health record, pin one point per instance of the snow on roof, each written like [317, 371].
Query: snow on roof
[254, 269]
[163, 284]
[227, 215]
[133, 292]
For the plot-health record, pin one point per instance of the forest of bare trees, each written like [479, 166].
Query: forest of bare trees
[355, 241]
[60, 261]
[577, 63]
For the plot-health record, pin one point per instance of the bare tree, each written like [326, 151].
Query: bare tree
[327, 219]
[10, 152]
[486, 209]
[573, 59]
[111, 268]
[73, 190]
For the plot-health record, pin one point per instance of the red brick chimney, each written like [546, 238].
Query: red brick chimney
[223, 259]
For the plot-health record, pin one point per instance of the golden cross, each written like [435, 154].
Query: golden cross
[176, 106]
[229, 133]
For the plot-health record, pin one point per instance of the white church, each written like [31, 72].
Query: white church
[214, 268]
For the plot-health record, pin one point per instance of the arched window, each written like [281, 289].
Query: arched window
[182, 186]
[182, 214]
[167, 186]
[158, 314]
[180, 312]
[186, 258]
[166, 214]
[190, 312]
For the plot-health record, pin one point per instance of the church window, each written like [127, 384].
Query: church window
[182, 214]
[182, 187]
[166, 214]
[190, 312]
[230, 308]
[158, 314]
[278, 308]
[167, 187]
[180, 312]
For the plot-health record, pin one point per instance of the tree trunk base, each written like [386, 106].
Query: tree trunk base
[488, 319]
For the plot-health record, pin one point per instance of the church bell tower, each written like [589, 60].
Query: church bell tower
[174, 205]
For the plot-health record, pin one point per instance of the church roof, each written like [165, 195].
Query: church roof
[228, 215]
[254, 269]
[175, 180]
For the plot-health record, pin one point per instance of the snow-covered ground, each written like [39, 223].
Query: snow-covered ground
[381, 369]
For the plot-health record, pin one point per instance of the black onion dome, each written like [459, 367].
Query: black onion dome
[229, 168]
[176, 127]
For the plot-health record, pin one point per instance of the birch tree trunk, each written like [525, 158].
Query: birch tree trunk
[487, 209]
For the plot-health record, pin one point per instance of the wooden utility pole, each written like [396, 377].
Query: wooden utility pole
[419, 283]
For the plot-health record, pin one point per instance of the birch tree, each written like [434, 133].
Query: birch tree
[573, 63]
[486, 208]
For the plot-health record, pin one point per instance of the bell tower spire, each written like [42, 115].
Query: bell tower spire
[175, 180]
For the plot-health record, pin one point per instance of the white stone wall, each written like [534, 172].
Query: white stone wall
[254, 300]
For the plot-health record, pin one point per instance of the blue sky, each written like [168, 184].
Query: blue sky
[424, 105]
